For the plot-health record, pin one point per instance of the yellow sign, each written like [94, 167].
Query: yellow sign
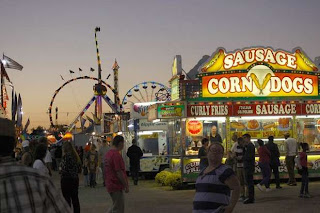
[243, 59]
[177, 66]
[260, 81]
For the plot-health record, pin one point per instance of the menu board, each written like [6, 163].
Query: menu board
[261, 128]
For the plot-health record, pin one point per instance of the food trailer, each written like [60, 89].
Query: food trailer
[258, 90]
[151, 137]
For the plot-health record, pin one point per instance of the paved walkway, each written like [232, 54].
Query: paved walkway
[148, 197]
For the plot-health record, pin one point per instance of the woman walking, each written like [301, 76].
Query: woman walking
[40, 154]
[70, 168]
[264, 164]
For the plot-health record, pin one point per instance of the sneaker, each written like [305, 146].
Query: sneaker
[242, 198]
[278, 187]
[268, 190]
[301, 195]
[292, 184]
[260, 187]
[307, 195]
[248, 201]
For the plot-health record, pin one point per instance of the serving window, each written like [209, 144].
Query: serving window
[197, 129]
[308, 129]
[263, 127]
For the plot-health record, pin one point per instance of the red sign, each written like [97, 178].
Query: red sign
[221, 110]
[208, 110]
[311, 108]
[266, 109]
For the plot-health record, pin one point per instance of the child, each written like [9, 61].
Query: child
[304, 191]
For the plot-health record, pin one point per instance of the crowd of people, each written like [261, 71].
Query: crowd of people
[217, 180]
[26, 174]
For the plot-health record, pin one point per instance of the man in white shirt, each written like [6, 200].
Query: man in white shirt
[291, 152]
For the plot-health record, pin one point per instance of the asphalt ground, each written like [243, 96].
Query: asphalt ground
[150, 197]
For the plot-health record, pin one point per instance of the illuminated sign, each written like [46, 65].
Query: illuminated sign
[266, 109]
[253, 109]
[243, 59]
[170, 111]
[260, 81]
[175, 89]
[197, 110]
[194, 128]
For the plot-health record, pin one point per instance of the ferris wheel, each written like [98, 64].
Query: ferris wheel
[108, 92]
[148, 91]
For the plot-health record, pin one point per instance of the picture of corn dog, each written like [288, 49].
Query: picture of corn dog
[269, 125]
[255, 80]
[237, 125]
[265, 82]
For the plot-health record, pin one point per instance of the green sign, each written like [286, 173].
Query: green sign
[170, 111]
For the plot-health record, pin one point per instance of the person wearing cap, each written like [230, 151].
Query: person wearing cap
[27, 158]
[27, 190]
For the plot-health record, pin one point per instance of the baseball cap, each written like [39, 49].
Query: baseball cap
[25, 143]
[7, 128]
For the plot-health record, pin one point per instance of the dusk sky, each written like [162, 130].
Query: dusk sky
[49, 38]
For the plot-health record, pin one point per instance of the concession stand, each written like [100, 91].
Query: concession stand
[151, 137]
[258, 90]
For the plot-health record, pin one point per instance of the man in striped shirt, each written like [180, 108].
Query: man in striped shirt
[214, 185]
[237, 150]
[24, 189]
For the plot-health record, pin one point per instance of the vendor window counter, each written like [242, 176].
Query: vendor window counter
[189, 167]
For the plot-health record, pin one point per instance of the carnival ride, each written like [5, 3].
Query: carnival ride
[100, 92]
[148, 91]
[145, 92]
